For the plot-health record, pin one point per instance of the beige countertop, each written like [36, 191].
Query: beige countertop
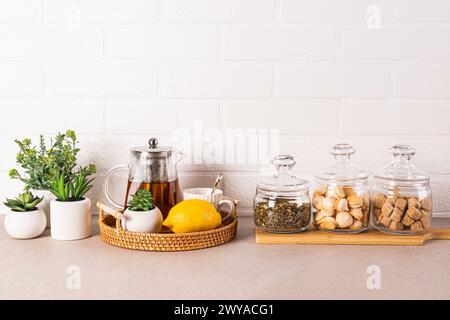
[37, 269]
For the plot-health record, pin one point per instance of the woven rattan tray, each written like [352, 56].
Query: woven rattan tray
[111, 232]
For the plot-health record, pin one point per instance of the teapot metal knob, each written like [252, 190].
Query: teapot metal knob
[153, 143]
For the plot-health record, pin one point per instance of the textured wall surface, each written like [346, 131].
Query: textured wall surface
[368, 72]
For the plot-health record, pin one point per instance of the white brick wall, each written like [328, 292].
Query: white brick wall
[321, 72]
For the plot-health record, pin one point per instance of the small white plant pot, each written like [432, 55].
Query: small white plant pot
[142, 221]
[71, 220]
[25, 225]
[45, 204]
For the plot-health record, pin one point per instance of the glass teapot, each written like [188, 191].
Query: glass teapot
[153, 168]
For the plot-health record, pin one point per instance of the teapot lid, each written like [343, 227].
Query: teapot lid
[153, 149]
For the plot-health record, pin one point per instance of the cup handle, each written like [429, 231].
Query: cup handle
[232, 206]
[106, 185]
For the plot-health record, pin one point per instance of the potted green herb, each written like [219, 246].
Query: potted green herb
[70, 212]
[25, 220]
[142, 216]
[39, 163]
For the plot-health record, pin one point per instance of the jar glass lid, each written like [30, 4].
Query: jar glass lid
[401, 167]
[284, 180]
[342, 169]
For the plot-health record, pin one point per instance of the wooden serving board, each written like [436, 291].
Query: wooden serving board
[372, 237]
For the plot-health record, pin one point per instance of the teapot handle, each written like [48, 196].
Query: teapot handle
[106, 185]
[180, 155]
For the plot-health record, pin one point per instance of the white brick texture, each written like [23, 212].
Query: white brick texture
[54, 42]
[333, 80]
[219, 80]
[392, 43]
[372, 73]
[20, 80]
[220, 11]
[101, 79]
[73, 12]
[20, 11]
[423, 81]
[162, 42]
[331, 12]
[424, 11]
[284, 43]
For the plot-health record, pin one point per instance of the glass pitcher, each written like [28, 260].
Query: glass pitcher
[153, 168]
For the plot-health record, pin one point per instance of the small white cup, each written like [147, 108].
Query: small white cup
[216, 199]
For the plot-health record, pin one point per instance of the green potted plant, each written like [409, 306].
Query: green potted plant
[39, 163]
[70, 211]
[25, 220]
[142, 216]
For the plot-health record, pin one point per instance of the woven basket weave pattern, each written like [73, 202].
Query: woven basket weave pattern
[112, 233]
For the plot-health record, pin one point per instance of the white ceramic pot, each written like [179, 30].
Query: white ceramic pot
[142, 221]
[71, 220]
[45, 204]
[25, 225]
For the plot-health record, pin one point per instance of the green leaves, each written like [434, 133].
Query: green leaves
[23, 203]
[76, 187]
[41, 163]
[141, 201]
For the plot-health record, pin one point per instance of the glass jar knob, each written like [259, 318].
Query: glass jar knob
[402, 152]
[342, 151]
[283, 163]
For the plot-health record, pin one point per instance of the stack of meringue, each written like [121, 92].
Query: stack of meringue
[340, 207]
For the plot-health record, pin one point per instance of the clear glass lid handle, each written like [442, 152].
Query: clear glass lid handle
[283, 162]
[402, 152]
[342, 151]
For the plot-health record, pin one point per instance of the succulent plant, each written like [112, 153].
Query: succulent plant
[23, 203]
[141, 201]
[75, 187]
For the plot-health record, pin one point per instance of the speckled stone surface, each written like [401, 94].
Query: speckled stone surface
[37, 268]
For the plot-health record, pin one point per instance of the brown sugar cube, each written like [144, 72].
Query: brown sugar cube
[426, 219]
[407, 221]
[397, 215]
[384, 220]
[379, 200]
[396, 226]
[377, 212]
[387, 209]
[391, 199]
[416, 226]
[401, 203]
[414, 213]
[426, 204]
[414, 203]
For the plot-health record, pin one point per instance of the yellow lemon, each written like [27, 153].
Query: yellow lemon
[193, 216]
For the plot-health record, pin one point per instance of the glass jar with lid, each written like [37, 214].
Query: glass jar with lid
[282, 203]
[402, 199]
[341, 199]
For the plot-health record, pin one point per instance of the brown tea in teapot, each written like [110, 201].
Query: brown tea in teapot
[164, 193]
[153, 168]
